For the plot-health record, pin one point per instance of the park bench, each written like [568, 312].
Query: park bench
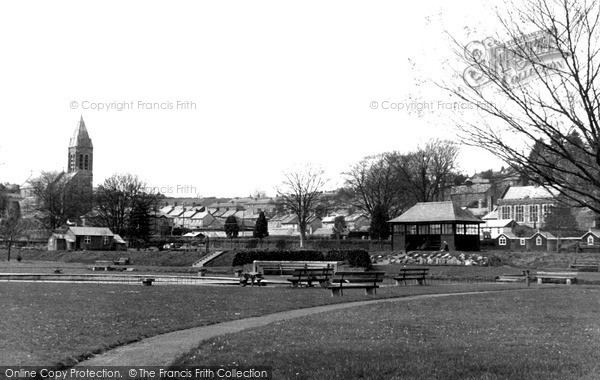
[147, 281]
[406, 274]
[355, 280]
[288, 267]
[122, 261]
[309, 275]
[102, 265]
[568, 277]
[585, 265]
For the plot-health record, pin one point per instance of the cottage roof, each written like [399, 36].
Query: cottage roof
[510, 235]
[475, 188]
[436, 212]
[118, 239]
[91, 231]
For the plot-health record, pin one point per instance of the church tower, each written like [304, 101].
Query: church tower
[80, 166]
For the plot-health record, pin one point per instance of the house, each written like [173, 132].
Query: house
[541, 241]
[527, 205]
[492, 228]
[200, 220]
[508, 241]
[86, 238]
[590, 238]
[270, 206]
[160, 223]
[434, 226]
[354, 222]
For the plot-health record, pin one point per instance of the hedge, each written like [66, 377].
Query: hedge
[355, 257]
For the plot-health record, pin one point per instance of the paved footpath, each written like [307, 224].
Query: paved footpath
[162, 350]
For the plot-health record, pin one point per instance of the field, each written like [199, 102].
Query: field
[60, 324]
[551, 333]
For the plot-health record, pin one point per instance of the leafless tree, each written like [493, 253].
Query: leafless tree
[429, 170]
[300, 192]
[539, 91]
[55, 199]
[376, 180]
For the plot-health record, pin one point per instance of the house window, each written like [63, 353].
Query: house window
[85, 165]
[522, 241]
[435, 229]
[460, 229]
[105, 240]
[87, 240]
[81, 161]
[424, 230]
[538, 240]
[505, 212]
[412, 229]
[519, 213]
[502, 240]
[533, 213]
[590, 240]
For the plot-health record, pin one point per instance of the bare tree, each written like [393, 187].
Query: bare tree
[115, 199]
[429, 170]
[12, 225]
[535, 90]
[55, 199]
[377, 180]
[300, 194]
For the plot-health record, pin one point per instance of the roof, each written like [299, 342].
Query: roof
[530, 192]
[323, 231]
[545, 234]
[497, 223]
[118, 239]
[491, 215]
[475, 188]
[436, 212]
[201, 215]
[510, 235]
[91, 231]
[81, 136]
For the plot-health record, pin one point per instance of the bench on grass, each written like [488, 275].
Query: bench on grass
[288, 267]
[585, 265]
[147, 281]
[122, 261]
[102, 265]
[309, 275]
[355, 280]
[568, 277]
[406, 274]
[254, 278]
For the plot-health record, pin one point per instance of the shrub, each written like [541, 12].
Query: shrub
[247, 257]
[354, 257]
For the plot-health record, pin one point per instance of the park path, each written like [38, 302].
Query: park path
[162, 350]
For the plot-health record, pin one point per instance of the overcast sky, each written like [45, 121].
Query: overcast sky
[250, 88]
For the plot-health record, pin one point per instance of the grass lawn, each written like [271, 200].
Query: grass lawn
[59, 324]
[544, 333]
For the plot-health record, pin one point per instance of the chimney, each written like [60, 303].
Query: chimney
[82, 221]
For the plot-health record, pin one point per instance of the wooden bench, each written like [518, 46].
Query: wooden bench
[355, 280]
[568, 277]
[288, 267]
[406, 274]
[309, 275]
[585, 265]
[122, 261]
[102, 265]
[147, 281]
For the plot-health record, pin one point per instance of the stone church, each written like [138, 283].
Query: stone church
[79, 175]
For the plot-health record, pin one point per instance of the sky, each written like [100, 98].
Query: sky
[222, 98]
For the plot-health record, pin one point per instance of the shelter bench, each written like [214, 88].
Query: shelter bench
[589, 265]
[102, 265]
[568, 277]
[122, 261]
[355, 280]
[288, 267]
[309, 275]
[418, 274]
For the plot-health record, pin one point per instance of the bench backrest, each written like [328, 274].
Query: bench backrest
[414, 270]
[288, 267]
[558, 274]
[359, 277]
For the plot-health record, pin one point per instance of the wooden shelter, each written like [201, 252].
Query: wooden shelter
[436, 226]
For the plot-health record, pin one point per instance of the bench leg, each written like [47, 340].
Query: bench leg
[568, 281]
[294, 284]
[420, 281]
[370, 291]
[539, 280]
[397, 282]
[336, 292]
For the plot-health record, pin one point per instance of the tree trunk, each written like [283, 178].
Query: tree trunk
[9, 246]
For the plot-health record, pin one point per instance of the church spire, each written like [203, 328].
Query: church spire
[81, 137]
